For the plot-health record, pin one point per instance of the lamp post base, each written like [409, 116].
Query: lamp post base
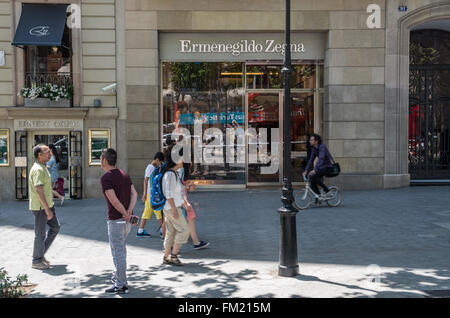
[288, 266]
[290, 271]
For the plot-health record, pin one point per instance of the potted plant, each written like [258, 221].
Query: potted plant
[47, 95]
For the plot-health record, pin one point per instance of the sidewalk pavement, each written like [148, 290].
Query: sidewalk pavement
[382, 243]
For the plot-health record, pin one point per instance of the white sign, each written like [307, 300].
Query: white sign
[2, 58]
[61, 124]
[20, 162]
[242, 46]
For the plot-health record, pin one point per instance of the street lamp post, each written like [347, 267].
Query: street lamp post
[288, 266]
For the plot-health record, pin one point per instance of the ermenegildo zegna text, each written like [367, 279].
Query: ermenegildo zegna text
[242, 46]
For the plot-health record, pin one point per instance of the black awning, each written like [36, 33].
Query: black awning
[41, 24]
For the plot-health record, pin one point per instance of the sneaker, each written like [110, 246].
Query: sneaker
[201, 245]
[143, 234]
[116, 290]
[40, 265]
[45, 261]
[173, 259]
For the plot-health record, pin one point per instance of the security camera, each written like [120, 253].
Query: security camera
[110, 87]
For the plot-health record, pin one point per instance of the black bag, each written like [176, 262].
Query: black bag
[335, 168]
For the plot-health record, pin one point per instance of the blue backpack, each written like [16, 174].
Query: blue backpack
[157, 198]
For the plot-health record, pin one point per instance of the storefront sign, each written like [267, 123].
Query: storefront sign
[65, 124]
[22, 124]
[203, 47]
[243, 46]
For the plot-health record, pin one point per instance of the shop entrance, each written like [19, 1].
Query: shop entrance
[264, 118]
[69, 148]
[429, 107]
[61, 141]
[247, 98]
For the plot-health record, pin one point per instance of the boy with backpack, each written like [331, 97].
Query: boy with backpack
[146, 197]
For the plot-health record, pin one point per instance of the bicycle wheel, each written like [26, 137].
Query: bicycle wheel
[335, 196]
[303, 199]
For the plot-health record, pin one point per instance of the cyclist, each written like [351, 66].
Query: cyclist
[323, 165]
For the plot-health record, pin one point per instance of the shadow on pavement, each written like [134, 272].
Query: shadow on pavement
[411, 282]
[58, 270]
[391, 228]
[223, 284]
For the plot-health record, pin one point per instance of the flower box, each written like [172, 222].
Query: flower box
[47, 95]
[46, 102]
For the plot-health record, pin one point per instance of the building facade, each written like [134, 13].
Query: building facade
[212, 69]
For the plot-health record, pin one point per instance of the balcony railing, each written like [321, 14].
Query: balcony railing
[38, 79]
[38, 93]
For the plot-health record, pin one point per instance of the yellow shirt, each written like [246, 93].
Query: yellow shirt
[39, 176]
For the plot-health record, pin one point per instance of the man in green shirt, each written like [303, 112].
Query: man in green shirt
[41, 204]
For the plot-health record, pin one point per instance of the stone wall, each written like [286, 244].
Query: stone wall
[6, 72]
[6, 94]
[353, 108]
[98, 51]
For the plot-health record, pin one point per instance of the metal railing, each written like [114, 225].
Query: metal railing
[61, 79]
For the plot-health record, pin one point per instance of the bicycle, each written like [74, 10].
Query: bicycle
[304, 197]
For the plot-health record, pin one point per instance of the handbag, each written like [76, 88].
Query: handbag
[335, 168]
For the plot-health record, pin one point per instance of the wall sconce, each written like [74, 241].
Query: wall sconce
[97, 103]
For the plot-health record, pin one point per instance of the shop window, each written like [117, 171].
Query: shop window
[269, 75]
[99, 139]
[4, 147]
[211, 94]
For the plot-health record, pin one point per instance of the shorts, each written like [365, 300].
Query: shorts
[146, 215]
[189, 215]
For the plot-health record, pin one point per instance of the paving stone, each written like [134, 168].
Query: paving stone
[398, 232]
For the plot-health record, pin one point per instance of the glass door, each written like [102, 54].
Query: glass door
[302, 127]
[263, 152]
[61, 142]
[264, 112]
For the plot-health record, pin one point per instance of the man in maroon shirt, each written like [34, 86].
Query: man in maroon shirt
[121, 197]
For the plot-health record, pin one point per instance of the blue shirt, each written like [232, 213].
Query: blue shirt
[52, 167]
[324, 160]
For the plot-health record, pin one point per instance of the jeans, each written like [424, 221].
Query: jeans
[43, 239]
[117, 232]
[317, 179]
